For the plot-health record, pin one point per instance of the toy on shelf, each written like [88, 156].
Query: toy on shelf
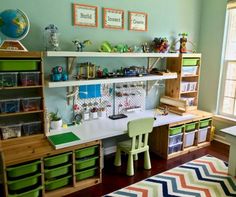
[81, 45]
[160, 45]
[86, 71]
[119, 48]
[58, 74]
[145, 47]
[183, 44]
[51, 37]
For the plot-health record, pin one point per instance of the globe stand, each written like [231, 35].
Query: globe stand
[12, 45]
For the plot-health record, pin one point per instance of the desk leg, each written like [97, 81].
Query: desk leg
[232, 157]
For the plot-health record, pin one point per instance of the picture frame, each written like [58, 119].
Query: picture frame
[138, 21]
[113, 18]
[85, 15]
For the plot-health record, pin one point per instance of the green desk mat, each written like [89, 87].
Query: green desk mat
[63, 138]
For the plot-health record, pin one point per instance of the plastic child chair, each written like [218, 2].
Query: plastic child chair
[138, 131]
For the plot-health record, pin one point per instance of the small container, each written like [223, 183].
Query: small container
[190, 100]
[85, 163]
[30, 193]
[8, 79]
[31, 128]
[189, 70]
[189, 138]
[175, 139]
[175, 130]
[29, 78]
[30, 104]
[175, 148]
[18, 65]
[56, 172]
[102, 114]
[57, 183]
[202, 134]
[9, 105]
[85, 152]
[204, 123]
[190, 62]
[94, 115]
[192, 86]
[190, 127]
[85, 174]
[85, 115]
[11, 131]
[184, 86]
[57, 160]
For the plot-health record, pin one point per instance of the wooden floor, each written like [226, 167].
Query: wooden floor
[115, 178]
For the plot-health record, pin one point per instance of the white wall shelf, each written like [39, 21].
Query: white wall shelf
[109, 80]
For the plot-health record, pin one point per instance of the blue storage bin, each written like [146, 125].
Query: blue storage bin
[9, 105]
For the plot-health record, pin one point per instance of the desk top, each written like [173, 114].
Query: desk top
[105, 128]
[230, 130]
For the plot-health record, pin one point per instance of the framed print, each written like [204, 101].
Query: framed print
[113, 18]
[85, 15]
[137, 21]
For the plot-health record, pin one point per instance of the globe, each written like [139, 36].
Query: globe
[14, 24]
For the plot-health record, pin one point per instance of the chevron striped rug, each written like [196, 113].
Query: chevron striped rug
[206, 176]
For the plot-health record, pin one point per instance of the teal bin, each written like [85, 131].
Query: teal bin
[175, 130]
[59, 171]
[57, 160]
[22, 170]
[57, 183]
[190, 62]
[190, 127]
[85, 152]
[86, 163]
[18, 65]
[32, 193]
[23, 183]
[204, 123]
[85, 174]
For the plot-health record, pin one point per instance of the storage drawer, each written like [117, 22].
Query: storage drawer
[174, 139]
[17, 65]
[58, 183]
[175, 148]
[8, 79]
[190, 127]
[31, 103]
[204, 123]
[10, 131]
[29, 78]
[31, 193]
[86, 163]
[9, 105]
[175, 130]
[189, 138]
[190, 62]
[31, 128]
[57, 160]
[22, 170]
[189, 70]
[85, 174]
[202, 134]
[85, 152]
[24, 183]
[55, 172]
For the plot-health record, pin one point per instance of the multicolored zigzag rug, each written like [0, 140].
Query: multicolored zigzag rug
[206, 176]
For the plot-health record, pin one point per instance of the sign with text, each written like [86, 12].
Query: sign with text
[137, 21]
[113, 19]
[85, 15]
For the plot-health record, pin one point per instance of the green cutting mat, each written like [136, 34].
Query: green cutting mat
[63, 138]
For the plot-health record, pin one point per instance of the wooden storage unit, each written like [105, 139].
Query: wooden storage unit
[186, 85]
[54, 170]
[159, 139]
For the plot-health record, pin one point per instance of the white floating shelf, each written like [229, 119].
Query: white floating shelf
[102, 54]
[109, 80]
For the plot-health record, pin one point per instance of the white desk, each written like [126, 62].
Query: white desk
[231, 138]
[104, 128]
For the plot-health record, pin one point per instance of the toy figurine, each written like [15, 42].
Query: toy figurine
[183, 42]
[160, 45]
[81, 45]
[145, 47]
[52, 41]
[58, 74]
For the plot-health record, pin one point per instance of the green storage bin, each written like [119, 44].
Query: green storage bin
[190, 127]
[23, 183]
[85, 174]
[18, 65]
[21, 170]
[86, 163]
[57, 160]
[190, 62]
[31, 193]
[175, 130]
[57, 183]
[204, 123]
[85, 152]
[55, 172]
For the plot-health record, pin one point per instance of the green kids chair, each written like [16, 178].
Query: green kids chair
[138, 131]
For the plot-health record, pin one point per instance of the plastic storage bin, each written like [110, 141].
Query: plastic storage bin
[189, 138]
[31, 104]
[202, 134]
[8, 79]
[22, 170]
[58, 183]
[175, 130]
[189, 70]
[17, 65]
[190, 62]
[23, 183]
[174, 139]
[31, 128]
[29, 78]
[204, 123]
[10, 131]
[85, 174]
[175, 147]
[31, 193]
[184, 86]
[190, 127]
[192, 86]
[57, 160]
[55, 172]
[85, 152]
[86, 163]
[9, 105]
[190, 100]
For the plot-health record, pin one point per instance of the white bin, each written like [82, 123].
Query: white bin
[189, 138]
[202, 134]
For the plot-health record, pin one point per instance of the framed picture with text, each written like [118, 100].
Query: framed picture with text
[85, 15]
[138, 21]
[113, 18]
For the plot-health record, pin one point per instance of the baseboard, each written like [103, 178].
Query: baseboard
[220, 138]
[109, 150]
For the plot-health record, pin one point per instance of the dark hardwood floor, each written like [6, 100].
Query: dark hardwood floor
[115, 178]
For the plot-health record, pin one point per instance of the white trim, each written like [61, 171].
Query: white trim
[224, 119]
[221, 139]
